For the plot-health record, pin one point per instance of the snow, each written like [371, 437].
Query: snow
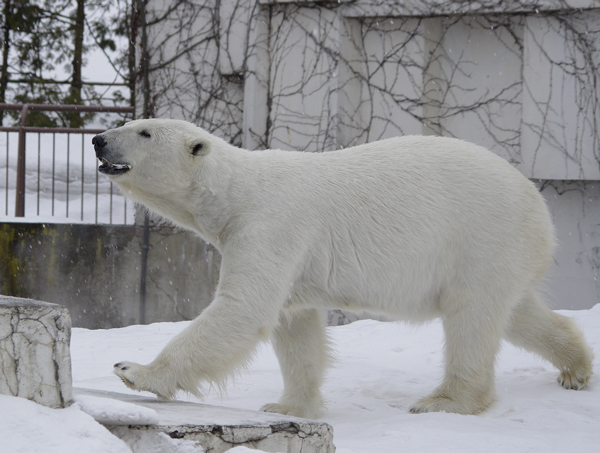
[29, 427]
[381, 369]
[116, 412]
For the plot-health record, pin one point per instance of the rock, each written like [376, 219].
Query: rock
[217, 429]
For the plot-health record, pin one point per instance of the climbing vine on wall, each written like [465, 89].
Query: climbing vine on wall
[319, 76]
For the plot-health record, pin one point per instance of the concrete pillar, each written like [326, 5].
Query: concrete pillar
[35, 360]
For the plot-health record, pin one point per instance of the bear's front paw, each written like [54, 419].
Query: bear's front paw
[147, 378]
[128, 373]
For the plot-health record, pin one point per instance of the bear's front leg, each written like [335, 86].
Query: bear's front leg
[221, 339]
[301, 345]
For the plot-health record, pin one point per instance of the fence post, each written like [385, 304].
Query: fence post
[20, 197]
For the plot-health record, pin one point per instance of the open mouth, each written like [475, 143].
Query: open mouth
[112, 169]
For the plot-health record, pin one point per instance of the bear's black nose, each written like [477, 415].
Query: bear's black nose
[98, 142]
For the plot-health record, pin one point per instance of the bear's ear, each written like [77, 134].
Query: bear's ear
[199, 146]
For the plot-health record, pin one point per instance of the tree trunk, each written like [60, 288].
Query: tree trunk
[76, 82]
[134, 24]
[145, 63]
[5, 51]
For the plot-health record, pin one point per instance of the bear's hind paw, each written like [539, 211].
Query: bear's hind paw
[575, 381]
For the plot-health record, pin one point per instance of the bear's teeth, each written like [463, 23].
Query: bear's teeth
[115, 166]
[120, 166]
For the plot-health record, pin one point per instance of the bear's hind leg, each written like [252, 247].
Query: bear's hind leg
[472, 339]
[555, 338]
[301, 346]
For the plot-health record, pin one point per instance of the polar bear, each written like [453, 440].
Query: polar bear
[415, 227]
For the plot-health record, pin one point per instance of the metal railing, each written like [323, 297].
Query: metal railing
[47, 132]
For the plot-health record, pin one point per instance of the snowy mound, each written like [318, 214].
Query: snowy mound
[114, 412]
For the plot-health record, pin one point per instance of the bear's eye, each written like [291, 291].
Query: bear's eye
[145, 134]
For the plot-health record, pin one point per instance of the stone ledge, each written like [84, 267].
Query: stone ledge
[35, 360]
[217, 429]
[429, 8]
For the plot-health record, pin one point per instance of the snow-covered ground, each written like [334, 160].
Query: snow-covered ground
[382, 369]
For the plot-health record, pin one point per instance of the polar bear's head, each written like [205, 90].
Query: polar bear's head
[147, 158]
[170, 166]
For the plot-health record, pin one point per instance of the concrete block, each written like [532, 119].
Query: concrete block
[217, 429]
[35, 360]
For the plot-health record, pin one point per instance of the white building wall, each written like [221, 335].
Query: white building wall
[521, 78]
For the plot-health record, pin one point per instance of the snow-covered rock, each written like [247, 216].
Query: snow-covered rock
[180, 426]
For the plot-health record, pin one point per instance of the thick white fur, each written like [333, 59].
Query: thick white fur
[413, 227]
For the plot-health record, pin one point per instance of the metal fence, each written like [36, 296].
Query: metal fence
[50, 174]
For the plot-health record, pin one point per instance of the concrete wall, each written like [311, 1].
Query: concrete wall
[94, 270]
[573, 282]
